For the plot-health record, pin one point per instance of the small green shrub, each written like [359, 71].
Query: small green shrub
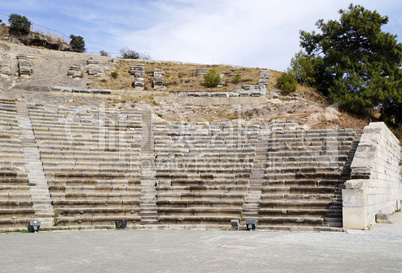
[236, 78]
[287, 82]
[212, 78]
[114, 74]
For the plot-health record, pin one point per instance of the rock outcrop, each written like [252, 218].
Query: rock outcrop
[38, 39]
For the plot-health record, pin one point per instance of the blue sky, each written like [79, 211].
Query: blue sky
[255, 33]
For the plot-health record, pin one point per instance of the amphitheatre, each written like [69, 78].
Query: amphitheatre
[83, 147]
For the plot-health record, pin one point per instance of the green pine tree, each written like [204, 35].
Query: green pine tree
[356, 63]
[77, 43]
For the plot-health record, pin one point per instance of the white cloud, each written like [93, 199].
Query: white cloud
[252, 33]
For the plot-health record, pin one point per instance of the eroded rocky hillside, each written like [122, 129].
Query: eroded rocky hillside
[173, 90]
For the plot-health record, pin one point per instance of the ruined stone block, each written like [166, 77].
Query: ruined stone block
[158, 79]
[202, 71]
[138, 70]
[74, 71]
[5, 68]
[25, 67]
[94, 71]
[265, 74]
[382, 217]
[92, 60]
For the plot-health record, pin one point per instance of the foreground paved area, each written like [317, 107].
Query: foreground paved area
[377, 250]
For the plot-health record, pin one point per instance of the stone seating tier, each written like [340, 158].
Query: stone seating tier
[313, 213]
[218, 187]
[89, 180]
[212, 221]
[94, 212]
[15, 205]
[89, 165]
[309, 205]
[103, 175]
[69, 204]
[203, 173]
[19, 222]
[15, 196]
[265, 222]
[8, 176]
[202, 204]
[99, 195]
[11, 188]
[200, 212]
[302, 177]
[101, 154]
[91, 170]
[98, 220]
[60, 190]
[16, 214]
[309, 189]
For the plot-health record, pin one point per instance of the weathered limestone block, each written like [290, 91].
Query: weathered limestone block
[92, 60]
[138, 83]
[5, 69]
[263, 81]
[138, 71]
[158, 73]
[252, 91]
[80, 90]
[158, 79]
[94, 71]
[211, 94]
[202, 71]
[273, 95]
[382, 218]
[264, 74]
[24, 65]
[75, 71]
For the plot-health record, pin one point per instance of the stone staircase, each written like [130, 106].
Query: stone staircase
[148, 206]
[252, 200]
[39, 189]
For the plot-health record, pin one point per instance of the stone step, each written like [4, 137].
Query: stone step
[149, 222]
[312, 197]
[288, 205]
[292, 221]
[97, 220]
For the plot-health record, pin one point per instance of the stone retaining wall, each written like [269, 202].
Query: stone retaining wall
[375, 186]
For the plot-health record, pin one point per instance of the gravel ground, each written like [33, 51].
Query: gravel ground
[200, 251]
[376, 250]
